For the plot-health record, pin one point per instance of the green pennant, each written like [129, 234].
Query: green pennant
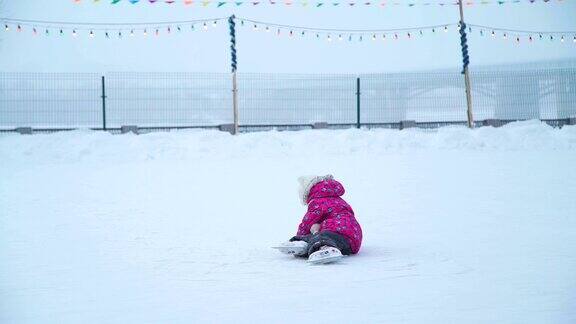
[115, 1]
[220, 4]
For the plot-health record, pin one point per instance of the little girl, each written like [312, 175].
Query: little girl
[329, 228]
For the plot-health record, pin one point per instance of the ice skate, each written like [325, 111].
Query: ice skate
[296, 247]
[326, 254]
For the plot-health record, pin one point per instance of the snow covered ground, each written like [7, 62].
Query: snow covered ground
[460, 227]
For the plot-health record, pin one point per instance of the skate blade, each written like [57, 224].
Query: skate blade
[283, 249]
[326, 260]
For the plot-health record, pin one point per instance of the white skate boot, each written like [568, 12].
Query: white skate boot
[326, 254]
[297, 248]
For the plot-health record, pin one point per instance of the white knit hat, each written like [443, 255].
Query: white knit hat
[307, 182]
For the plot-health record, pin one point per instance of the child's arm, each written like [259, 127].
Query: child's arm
[313, 216]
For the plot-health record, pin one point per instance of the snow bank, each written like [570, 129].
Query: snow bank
[460, 227]
[84, 145]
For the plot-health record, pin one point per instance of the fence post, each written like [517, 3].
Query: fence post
[234, 63]
[358, 103]
[103, 103]
[235, 102]
[466, 62]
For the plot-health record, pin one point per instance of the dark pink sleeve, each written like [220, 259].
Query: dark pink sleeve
[313, 216]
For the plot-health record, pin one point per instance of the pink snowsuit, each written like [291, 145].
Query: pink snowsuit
[325, 207]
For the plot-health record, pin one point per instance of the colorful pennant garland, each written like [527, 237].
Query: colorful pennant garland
[318, 4]
[119, 30]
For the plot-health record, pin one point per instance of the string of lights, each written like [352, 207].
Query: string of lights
[342, 34]
[107, 29]
[405, 33]
[307, 3]
[521, 35]
[167, 27]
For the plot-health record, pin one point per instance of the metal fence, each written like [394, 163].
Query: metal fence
[50, 100]
[182, 100]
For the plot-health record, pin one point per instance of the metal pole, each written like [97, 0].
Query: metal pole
[234, 62]
[465, 62]
[235, 102]
[103, 103]
[358, 103]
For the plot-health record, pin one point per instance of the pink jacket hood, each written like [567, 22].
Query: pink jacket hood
[325, 189]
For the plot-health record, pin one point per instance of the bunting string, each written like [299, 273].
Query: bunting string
[318, 4]
[108, 30]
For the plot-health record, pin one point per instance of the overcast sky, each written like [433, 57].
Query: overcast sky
[265, 52]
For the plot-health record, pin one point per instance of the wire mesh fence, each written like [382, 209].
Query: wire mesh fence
[50, 100]
[421, 97]
[176, 100]
[519, 95]
[168, 99]
[292, 99]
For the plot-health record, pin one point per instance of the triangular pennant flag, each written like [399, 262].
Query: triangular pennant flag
[152, 1]
[255, 3]
[319, 4]
[169, 1]
[205, 3]
[115, 1]
[239, 3]
[134, 1]
[220, 4]
[188, 2]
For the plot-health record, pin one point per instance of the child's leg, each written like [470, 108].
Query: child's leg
[305, 238]
[316, 241]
